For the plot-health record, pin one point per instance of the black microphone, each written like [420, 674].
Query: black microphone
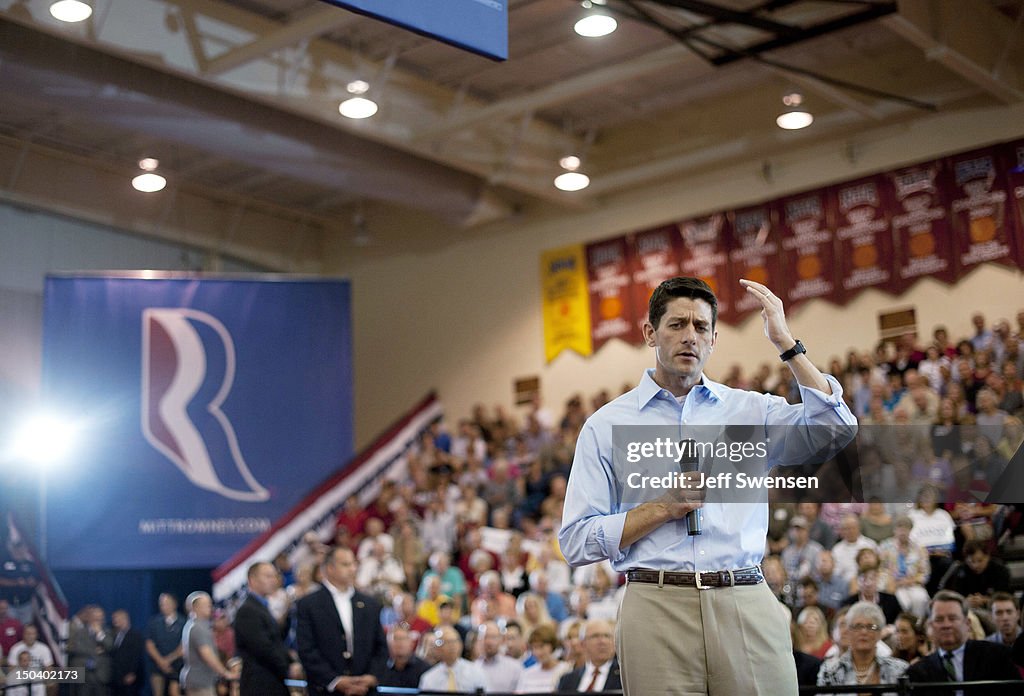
[688, 462]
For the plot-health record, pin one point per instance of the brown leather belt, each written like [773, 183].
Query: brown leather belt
[702, 581]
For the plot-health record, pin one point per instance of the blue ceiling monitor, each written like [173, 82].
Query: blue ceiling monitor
[480, 26]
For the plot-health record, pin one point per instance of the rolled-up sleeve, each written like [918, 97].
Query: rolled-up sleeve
[811, 431]
[819, 406]
[591, 522]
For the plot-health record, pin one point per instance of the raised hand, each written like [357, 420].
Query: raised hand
[773, 314]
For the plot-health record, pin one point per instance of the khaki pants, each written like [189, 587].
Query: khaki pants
[681, 641]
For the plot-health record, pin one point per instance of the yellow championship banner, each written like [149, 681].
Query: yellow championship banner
[566, 302]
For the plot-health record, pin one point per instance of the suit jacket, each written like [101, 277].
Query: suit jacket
[89, 654]
[260, 643]
[982, 660]
[323, 648]
[128, 658]
[570, 682]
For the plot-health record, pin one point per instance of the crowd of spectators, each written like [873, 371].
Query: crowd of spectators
[460, 547]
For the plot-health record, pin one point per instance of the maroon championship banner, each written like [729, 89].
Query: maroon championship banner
[655, 258]
[609, 285]
[978, 207]
[938, 219]
[808, 249]
[754, 255]
[1013, 161]
[863, 236]
[705, 255]
[922, 235]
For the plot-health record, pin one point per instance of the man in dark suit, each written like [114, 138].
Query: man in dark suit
[89, 644]
[601, 671]
[126, 658]
[956, 658]
[341, 642]
[259, 640]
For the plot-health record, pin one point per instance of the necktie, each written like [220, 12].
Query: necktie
[452, 686]
[947, 662]
[593, 682]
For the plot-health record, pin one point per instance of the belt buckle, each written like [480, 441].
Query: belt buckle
[701, 586]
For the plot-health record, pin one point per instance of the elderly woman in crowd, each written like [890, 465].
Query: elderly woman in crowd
[861, 664]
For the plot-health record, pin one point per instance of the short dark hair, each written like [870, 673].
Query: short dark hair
[680, 286]
[332, 554]
[1004, 597]
[949, 596]
[252, 570]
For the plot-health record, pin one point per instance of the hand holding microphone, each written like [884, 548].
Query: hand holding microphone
[685, 499]
[688, 463]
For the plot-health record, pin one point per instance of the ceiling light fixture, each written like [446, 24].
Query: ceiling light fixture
[149, 181]
[595, 23]
[571, 179]
[70, 11]
[358, 106]
[795, 116]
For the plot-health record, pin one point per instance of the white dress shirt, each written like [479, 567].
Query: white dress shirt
[468, 677]
[588, 674]
[501, 672]
[343, 602]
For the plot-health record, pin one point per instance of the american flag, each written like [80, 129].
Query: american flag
[48, 603]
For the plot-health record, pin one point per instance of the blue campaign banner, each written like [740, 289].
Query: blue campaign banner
[480, 26]
[207, 408]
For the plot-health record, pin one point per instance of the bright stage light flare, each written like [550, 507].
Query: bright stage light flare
[44, 438]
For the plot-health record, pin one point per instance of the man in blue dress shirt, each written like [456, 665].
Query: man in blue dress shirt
[719, 631]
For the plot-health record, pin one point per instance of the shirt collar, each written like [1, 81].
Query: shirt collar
[338, 594]
[648, 388]
[957, 653]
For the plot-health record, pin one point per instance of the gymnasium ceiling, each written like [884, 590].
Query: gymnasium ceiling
[239, 101]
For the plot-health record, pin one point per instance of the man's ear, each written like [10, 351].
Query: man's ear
[648, 331]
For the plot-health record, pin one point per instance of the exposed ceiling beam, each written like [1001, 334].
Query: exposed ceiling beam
[730, 16]
[829, 92]
[561, 92]
[870, 13]
[322, 20]
[970, 43]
